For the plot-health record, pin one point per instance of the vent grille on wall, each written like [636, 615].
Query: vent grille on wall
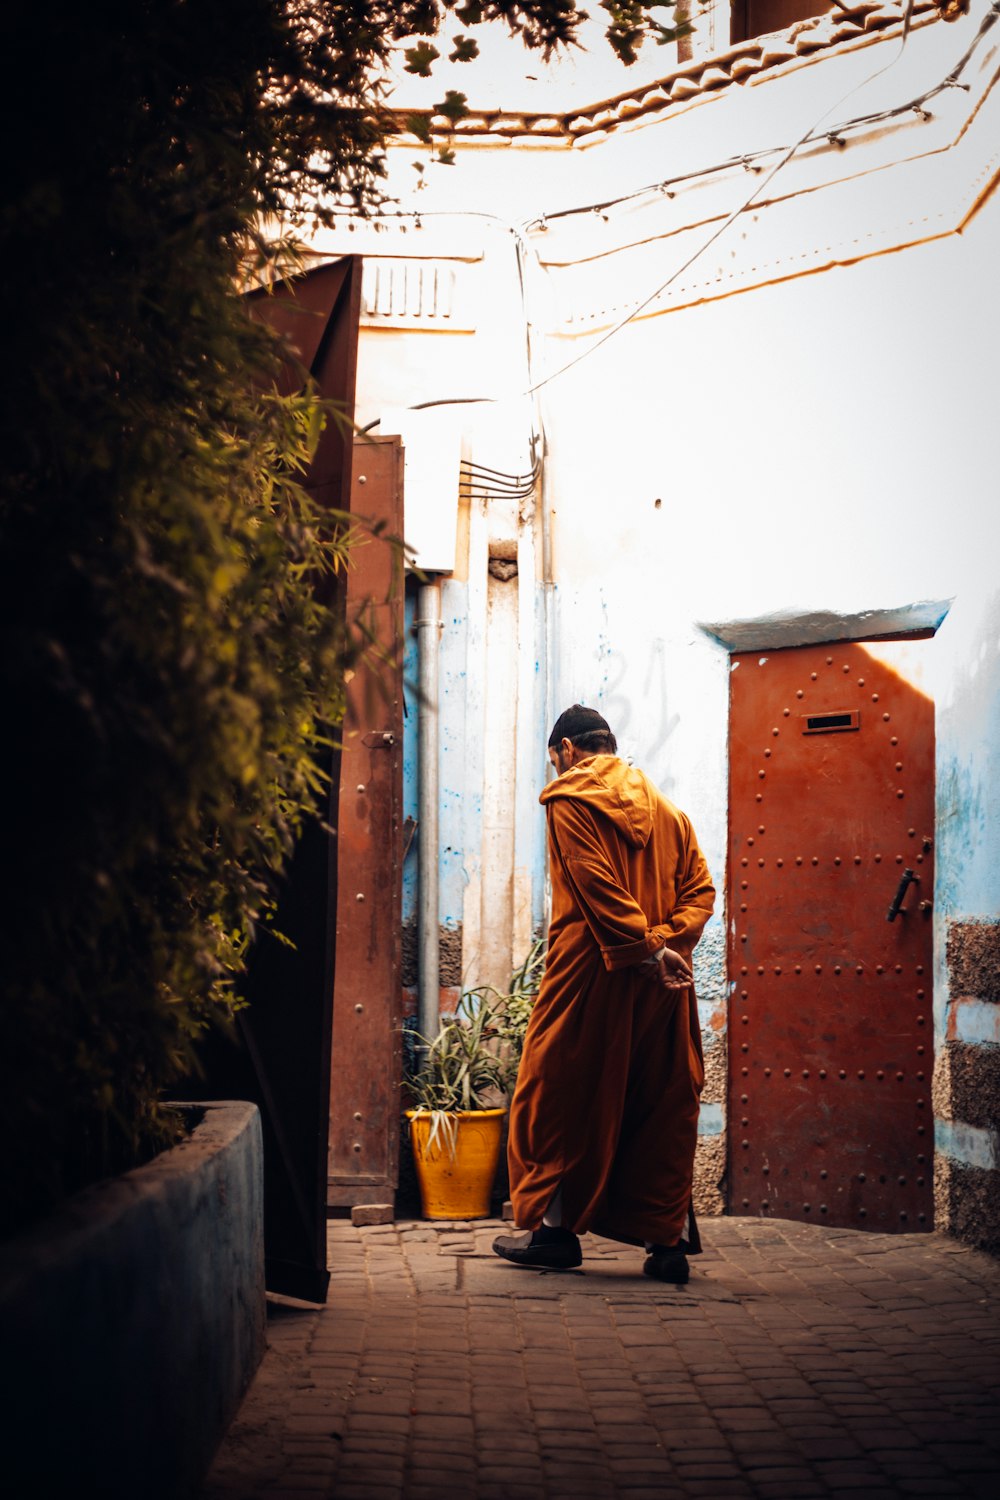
[407, 292]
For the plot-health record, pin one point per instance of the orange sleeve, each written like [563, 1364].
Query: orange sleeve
[692, 909]
[618, 923]
[695, 900]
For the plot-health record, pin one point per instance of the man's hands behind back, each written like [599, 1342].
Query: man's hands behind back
[674, 972]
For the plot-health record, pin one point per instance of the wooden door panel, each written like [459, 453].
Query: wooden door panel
[831, 799]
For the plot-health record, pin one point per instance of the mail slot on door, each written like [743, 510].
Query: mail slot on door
[831, 723]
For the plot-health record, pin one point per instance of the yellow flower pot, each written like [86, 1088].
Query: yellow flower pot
[456, 1158]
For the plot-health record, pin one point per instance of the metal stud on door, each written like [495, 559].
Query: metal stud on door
[830, 885]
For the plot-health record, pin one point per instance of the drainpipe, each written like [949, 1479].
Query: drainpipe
[548, 600]
[428, 627]
[548, 589]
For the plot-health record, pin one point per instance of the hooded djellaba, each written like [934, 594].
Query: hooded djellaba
[604, 1118]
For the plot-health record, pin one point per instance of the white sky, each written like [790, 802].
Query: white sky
[508, 76]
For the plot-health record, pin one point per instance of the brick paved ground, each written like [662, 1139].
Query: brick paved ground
[798, 1362]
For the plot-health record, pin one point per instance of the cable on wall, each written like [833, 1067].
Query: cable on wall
[477, 482]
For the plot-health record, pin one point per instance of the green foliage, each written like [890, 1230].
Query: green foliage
[472, 1062]
[170, 667]
[465, 49]
[419, 59]
[172, 662]
[512, 1009]
[420, 126]
[460, 1068]
[453, 106]
[631, 23]
[546, 25]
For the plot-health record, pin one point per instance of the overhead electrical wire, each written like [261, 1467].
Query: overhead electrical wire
[835, 135]
[817, 131]
[731, 217]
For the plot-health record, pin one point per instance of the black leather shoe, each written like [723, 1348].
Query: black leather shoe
[545, 1250]
[667, 1263]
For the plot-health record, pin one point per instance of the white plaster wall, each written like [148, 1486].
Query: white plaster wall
[806, 424]
[968, 702]
[967, 694]
[514, 182]
[824, 444]
[817, 426]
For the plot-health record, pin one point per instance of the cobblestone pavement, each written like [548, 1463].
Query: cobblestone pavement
[798, 1362]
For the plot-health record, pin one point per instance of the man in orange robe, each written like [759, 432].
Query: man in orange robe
[604, 1119]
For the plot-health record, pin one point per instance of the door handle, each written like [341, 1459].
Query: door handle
[897, 900]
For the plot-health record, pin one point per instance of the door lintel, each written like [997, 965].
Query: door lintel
[817, 627]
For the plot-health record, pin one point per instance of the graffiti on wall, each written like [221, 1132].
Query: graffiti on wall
[642, 720]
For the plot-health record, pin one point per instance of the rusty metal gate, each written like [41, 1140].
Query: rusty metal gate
[363, 1156]
[830, 883]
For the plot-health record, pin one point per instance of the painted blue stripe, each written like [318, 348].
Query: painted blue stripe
[975, 1021]
[970, 1145]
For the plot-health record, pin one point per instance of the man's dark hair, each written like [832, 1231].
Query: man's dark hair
[597, 742]
[584, 728]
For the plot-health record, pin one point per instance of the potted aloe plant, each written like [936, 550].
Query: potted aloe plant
[459, 1092]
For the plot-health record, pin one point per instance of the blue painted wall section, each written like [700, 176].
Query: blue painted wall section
[454, 793]
[971, 1145]
[539, 853]
[968, 752]
[454, 789]
[966, 904]
[410, 768]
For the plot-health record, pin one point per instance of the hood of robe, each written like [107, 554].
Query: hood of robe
[609, 786]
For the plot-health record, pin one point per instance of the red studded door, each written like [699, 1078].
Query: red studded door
[831, 1037]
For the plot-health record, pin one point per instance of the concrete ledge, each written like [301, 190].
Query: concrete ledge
[133, 1320]
[816, 627]
[709, 1191]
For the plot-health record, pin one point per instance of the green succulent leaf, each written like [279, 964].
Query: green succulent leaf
[420, 126]
[421, 58]
[472, 1061]
[465, 49]
[454, 106]
[665, 34]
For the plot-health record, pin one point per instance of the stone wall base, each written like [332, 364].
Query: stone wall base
[966, 1090]
[710, 1176]
[967, 1203]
